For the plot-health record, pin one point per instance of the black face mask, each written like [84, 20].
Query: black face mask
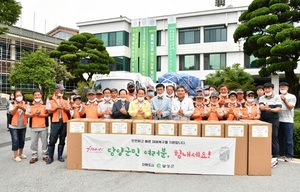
[131, 90]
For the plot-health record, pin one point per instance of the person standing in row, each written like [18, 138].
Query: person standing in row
[38, 123]
[182, 107]
[160, 104]
[58, 108]
[286, 123]
[8, 116]
[90, 108]
[131, 92]
[140, 108]
[105, 107]
[120, 108]
[17, 126]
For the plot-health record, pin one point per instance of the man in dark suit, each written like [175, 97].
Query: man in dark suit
[120, 108]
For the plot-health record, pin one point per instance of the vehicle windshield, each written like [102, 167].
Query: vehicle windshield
[112, 83]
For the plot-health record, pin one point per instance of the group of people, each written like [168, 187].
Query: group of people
[159, 103]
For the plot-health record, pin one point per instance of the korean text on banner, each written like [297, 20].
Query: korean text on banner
[159, 154]
[134, 46]
[172, 44]
[144, 36]
[152, 48]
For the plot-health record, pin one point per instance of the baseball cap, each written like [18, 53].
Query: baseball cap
[90, 91]
[214, 94]
[199, 89]
[74, 92]
[99, 91]
[239, 91]
[150, 88]
[206, 87]
[59, 86]
[130, 84]
[232, 92]
[76, 97]
[199, 95]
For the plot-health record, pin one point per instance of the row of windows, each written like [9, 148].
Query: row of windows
[118, 38]
[214, 61]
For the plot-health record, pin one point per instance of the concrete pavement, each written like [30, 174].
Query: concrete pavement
[55, 177]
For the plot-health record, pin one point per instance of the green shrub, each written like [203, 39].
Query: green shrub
[297, 133]
[28, 97]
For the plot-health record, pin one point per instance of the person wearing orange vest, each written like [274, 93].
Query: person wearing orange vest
[76, 107]
[223, 98]
[200, 110]
[17, 126]
[233, 109]
[250, 109]
[58, 107]
[214, 110]
[38, 122]
[90, 108]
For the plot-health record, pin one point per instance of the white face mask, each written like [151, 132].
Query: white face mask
[269, 94]
[172, 95]
[250, 100]
[160, 95]
[223, 94]
[19, 98]
[59, 94]
[283, 91]
[37, 100]
[123, 99]
[150, 94]
[93, 100]
[206, 92]
[140, 99]
[106, 98]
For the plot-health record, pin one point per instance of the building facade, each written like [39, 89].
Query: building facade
[204, 42]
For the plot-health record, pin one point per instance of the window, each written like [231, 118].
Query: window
[214, 61]
[215, 33]
[189, 62]
[158, 40]
[189, 36]
[250, 61]
[118, 38]
[112, 38]
[121, 64]
[158, 63]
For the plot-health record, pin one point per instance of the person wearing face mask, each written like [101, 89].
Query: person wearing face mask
[214, 112]
[240, 96]
[38, 123]
[131, 95]
[8, 116]
[17, 126]
[182, 107]
[120, 108]
[105, 107]
[270, 106]
[76, 107]
[90, 108]
[114, 95]
[250, 108]
[170, 90]
[160, 104]
[140, 108]
[72, 94]
[200, 111]
[223, 98]
[99, 96]
[58, 107]
[286, 123]
[233, 110]
[150, 93]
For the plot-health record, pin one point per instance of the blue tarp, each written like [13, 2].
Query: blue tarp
[188, 81]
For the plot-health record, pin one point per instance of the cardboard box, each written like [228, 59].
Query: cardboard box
[100, 126]
[143, 127]
[259, 148]
[166, 128]
[239, 130]
[120, 126]
[75, 128]
[212, 128]
[189, 128]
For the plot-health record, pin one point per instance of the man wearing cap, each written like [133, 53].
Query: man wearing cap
[250, 107]
[223, 98]
[90, 108]
[270, 106]
[150, 93]
[200, 111]
[76, 107]
[99, 95]
[182, 107]
[286, 122]
[105, 107]
[58, 107]
[214, 112]
[72, 94]
[131, 94]
[240, 96]
[160, 104]
[233, 110]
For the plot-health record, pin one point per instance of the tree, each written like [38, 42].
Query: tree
[234, 77]
[83, 53]
[269, 33]
[38, 68]
[10, 11]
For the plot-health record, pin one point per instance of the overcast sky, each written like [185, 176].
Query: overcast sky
[44, 15]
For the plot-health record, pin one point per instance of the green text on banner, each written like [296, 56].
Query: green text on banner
[152, 48]
[134, 62]
[144, 35]
[172, 44]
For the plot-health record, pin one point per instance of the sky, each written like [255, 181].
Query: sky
[44, 15]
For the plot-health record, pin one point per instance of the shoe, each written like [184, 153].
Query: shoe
[45, 159]
[288, 159]
[23, 156]
[282, 157]
[274, 162]
[33, 160]
[17, 159]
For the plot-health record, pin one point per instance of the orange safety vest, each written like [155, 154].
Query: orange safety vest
[55, 115]
[236, 107]
[76, 112]
[37, 121]
[253, 110]
[213, 116]
[91, 111]
[15, 117]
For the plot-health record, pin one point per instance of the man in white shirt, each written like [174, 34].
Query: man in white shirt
[105, 107]
[182, 107]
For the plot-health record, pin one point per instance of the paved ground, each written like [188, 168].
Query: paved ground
[55, 177]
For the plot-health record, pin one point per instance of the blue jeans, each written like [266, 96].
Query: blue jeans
[285, 138]
[58, 130]
[17, 138]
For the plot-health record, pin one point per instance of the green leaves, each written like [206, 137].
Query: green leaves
[10, 11]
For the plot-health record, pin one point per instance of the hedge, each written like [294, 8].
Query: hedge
[297, 133]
